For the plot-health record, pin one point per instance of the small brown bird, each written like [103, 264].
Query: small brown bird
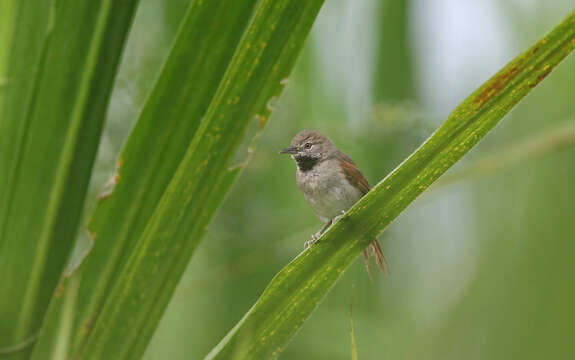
[330, 182]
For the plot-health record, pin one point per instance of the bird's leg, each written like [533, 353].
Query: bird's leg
[336, 219]
[323, 229]
[315, 237]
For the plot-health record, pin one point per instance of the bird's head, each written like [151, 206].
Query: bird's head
[308, 148]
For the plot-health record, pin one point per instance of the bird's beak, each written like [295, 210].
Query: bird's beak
[289, 150]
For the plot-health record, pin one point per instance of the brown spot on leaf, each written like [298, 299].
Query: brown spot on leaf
[547, 70]
[544, 75]
[496, 85]
[59, 290]
[261, 120]
[114, 180]
[88, 325]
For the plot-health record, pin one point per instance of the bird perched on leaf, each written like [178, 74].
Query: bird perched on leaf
[330, 182]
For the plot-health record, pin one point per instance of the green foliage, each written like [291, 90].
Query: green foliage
[264, 58]
[296, 290]
[59, 73]
[226, 64]
[168, 123]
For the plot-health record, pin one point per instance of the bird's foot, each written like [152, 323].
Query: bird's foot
[308, 244]
[336, 219]
[314, 238]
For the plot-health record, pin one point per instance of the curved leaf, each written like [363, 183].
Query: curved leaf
[197, 61]
[263, 59]
[63, 60]
[296, 290]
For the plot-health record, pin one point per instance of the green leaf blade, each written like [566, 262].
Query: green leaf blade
[53, 114]
[201, 53]
[298, 288]
[264, 58]
[469, 123]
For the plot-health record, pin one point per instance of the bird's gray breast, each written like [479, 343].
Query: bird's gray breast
[327, 190]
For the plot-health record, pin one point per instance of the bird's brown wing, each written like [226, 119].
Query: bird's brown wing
[356, 178]
[352, 173]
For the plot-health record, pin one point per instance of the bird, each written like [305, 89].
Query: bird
[330, 182]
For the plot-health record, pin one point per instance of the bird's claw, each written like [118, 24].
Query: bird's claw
[307, 244]
[314, 238]
[336, 219]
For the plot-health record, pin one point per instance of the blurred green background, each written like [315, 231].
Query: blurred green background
[481, 268]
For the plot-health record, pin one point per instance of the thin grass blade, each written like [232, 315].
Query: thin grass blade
[59, 77]
[202, 51]
[298, 289]
[264, 57]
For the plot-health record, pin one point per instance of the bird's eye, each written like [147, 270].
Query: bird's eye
[307, 146]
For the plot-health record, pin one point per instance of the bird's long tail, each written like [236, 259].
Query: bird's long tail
[379, 258]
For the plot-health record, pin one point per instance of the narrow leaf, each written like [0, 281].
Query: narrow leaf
[56, 335]
[172, 113]
[264, 58]
[59, 76]
[296, 290]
